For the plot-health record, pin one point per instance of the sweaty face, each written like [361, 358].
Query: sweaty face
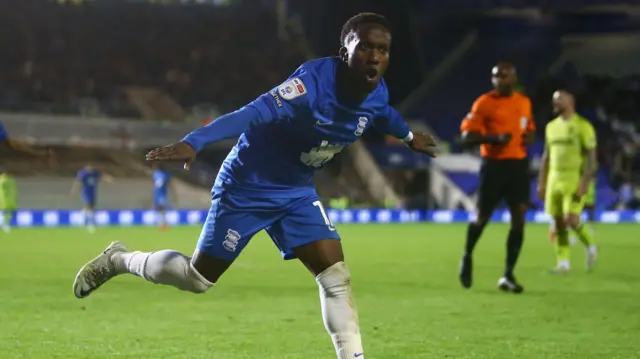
[368, 54]
[503, 77]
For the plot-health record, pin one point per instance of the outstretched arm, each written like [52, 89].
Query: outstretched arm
[23, 147]
[285, 101]
[19, 146]
[393, 124]
[230, 125]
[75, 188]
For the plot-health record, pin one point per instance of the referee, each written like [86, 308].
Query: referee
[500, 122]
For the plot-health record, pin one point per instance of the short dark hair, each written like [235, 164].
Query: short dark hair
[354, 23]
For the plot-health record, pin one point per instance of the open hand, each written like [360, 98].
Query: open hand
[423, 143]
[180, 151]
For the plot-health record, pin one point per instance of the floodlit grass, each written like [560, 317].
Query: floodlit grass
[405, 282]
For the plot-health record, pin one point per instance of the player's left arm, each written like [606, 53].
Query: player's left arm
[75, 186]
[392, 123]
[284, 101]
[589, 143]
[529, 135]
[289, 99]
[20, 146]
[24, 148]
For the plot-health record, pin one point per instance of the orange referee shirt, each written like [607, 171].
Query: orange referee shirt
[494, 115]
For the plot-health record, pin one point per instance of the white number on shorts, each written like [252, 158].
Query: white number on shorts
[327, 221]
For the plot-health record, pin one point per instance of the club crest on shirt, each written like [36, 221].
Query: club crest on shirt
[362, 125]
[292, 88]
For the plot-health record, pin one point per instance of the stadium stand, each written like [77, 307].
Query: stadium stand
[172, 63]
[157, 55]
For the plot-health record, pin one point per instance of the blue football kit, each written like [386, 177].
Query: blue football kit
[161, 180]
[266, 181]
[89, 182]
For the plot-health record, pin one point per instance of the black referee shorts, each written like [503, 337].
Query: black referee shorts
[503, 180]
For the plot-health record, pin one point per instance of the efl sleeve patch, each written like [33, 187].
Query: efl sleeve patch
[292, 88]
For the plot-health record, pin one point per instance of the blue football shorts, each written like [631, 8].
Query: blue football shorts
[290, 222]
[89, 200]
[160, 202]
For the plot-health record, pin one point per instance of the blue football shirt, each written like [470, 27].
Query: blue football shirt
[300, 125]
[161, 181]
[89, 181]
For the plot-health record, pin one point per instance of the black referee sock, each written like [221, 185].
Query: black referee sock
[514, 244]
[474, 231]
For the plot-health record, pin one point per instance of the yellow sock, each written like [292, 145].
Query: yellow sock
[563, 250]
[584, 235]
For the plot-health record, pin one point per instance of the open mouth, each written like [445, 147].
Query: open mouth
[371, 74]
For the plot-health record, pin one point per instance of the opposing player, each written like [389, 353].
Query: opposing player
[163, 186]
[8, 199]
[86, 182]
[501, 122]
[266, 181]
[567, 170]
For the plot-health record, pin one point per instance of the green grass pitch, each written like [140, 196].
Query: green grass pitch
[404, 278]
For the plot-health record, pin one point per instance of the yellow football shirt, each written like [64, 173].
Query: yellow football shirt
[567, 142]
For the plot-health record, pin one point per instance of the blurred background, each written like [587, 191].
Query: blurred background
[102, 81]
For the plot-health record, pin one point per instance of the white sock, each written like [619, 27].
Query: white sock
[339, 311]
[564, 264]
[163, 267]
[593, 249]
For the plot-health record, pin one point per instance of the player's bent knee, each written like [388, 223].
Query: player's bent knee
[173, 268]
[199, 284]
[335, 281]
